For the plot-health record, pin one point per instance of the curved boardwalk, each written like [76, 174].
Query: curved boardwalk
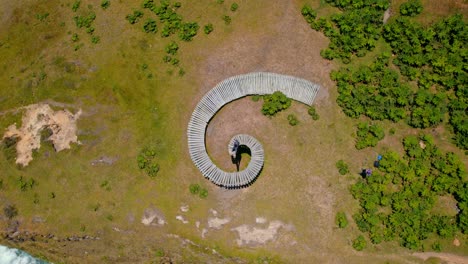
[229, 90]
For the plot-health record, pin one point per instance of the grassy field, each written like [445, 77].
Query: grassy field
[131, 99]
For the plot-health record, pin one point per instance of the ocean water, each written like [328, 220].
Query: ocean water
[16, 256]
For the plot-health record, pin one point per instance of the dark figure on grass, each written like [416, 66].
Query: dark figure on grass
[235, 157]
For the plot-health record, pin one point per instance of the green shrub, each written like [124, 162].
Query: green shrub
[172, 48]
[292, 120]
[194, 188]
[42, 17]
[90, 30]
[148, 4]
[368, 135]
[167, 58]
[188, 30]
[181, 72]
[95, 39]
[105, 4]
[340, 220]
[146, 161]
[177, 4]
[411, 8]
[256, 97]
[85, 21]
[208, 28]
[133, 18]
[275, 103]
[175, 61]
[203, 193]
[150, 26]
[219, 1]
[359, 243]
[234, 7]
[407, 189]
[308, 13]
[313, 113]
[342, 167]
[227, 19]
[76, 5]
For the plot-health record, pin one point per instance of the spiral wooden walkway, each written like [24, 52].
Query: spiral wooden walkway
[229, 90]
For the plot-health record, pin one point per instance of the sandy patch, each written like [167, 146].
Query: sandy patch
[153, 216]
[443, 257]
[252, 236]
[182, 219]
[217, 223]
[38, 117]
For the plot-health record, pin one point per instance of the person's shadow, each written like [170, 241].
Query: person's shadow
[240, 150]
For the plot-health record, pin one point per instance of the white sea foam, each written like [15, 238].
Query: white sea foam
[16, 256]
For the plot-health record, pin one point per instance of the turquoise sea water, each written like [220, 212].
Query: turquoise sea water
[16, 256]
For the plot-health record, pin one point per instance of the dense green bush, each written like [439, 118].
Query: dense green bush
[275, 103]
[359, 243]
[105, 4]
[368, 135]
[133, 18]
[95, 39]
[146, 161]
[374, 91]
[85, 21]
[308, 13]
[172, 48]
[352, 32]
[234, 7]
[397, 199]
[188, 31]
[76, 5]
[313, 113]
[203, 193]
[208, 28]
[342, 167]
[150, 26]
[411, 8]
[292, 119]
[341, 220]
[194, 188]
[226, 19]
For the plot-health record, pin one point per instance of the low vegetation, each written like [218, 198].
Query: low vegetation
[397, 200]
[292, 119]
[274, 103]
[432, 56]
[196, 189]
[147, 161]
[368, 135]
[342, 167]
[341, 220]
[313, 113]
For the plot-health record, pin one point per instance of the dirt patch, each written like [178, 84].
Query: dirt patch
[253, 236]
[62, 126]
[445, 257]
[153, 216]
[217, 223]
